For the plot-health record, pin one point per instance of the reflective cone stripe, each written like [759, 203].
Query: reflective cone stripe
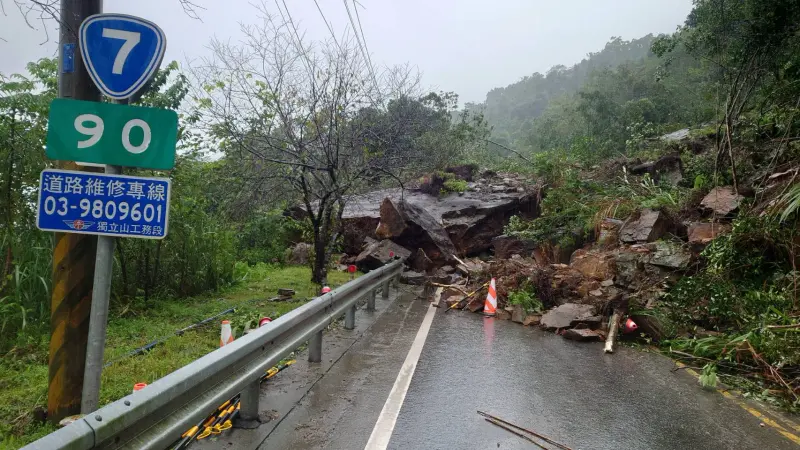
[226, 335]
[490, 305]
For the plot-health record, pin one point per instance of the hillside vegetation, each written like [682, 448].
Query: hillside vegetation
[731, 75]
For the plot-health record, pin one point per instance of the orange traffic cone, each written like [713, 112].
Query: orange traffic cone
[629, 326]
[226, 336]
[490, 305]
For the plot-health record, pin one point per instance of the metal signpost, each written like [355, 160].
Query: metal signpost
[121, 54]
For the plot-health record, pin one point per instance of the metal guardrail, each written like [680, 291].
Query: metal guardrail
[155, 417]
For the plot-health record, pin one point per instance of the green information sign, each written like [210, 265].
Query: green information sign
[109, 133]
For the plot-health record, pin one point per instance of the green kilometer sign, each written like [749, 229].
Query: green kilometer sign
[108, 133]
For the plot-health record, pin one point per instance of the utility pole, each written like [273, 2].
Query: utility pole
[74, 254]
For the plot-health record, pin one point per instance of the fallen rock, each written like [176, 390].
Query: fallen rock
[592, 322]
[419, 261]
[649, 325]
[453, 300]
[563, 316]
[421, 229]
[300, 254]
[609, 232]
[518, 314]
[476, 304]
[393, 220]
[377, 255]
[502, 314]
[357, 232]
[532, 319]
[412, 278]
[701, 233]
[722, 201]
[669, 254]
[668, 169]
[473, 266]
[448, 269]
[629, 267]
[582, 335]
[286, 292]
[594, 264]
[648, 227]
[504, 246]
[586, 287]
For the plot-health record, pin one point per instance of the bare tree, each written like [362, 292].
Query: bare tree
[44, 11]
[300, 119]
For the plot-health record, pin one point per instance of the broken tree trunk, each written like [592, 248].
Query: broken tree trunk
[613, 327]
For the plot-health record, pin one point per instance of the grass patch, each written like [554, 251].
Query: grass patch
[23, 378]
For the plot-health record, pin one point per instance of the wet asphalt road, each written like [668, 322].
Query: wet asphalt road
[566, 390]
[569, 391]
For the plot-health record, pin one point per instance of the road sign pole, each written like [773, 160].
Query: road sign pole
[73, 254]
[101, 297]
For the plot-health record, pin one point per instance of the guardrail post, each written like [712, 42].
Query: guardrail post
[248, 414]
[385, 289]
[371, 300]
[350, 318]
[315, 348]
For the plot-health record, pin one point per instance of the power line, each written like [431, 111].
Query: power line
[355, 33]
[363, 38]
[327, 24]
[299, 41]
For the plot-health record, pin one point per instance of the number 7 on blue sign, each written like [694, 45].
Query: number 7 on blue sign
[121, 52]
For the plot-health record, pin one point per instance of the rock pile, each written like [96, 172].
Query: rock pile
[434, 230]
[631, 262]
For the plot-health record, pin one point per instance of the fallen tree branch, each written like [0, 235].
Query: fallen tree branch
[492, 418]
[527, 438]
[783, 327]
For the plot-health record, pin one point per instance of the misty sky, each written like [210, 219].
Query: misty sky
[466, 46]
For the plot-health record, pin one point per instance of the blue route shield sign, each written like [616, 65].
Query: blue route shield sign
[104, 204]
[121, 52]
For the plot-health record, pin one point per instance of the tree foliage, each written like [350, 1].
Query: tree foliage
[312, 123]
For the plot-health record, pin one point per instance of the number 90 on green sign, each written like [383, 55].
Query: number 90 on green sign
[109, 133]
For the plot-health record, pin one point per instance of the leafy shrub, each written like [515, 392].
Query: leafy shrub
[265, 238]
[527, 299]
[454, 186]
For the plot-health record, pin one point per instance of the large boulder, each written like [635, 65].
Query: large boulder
[505, 246]
[470, 219]
[356, 231]
[565, 315]
[380, 253]
[393, 221]
[648, 227]
[413, 226]
[722, 201]
[300, 254]
[419, 261]
[473, 226]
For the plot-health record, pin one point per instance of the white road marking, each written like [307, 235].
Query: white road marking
[379, 439]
